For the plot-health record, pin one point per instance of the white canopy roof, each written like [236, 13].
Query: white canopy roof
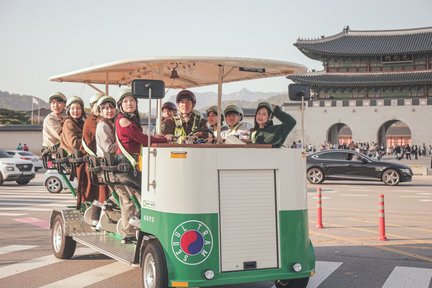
[192, 71]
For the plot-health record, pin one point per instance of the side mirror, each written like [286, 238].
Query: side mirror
[297, 91]
[141, 89]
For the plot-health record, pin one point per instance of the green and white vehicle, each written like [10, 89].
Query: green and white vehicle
[211, 214]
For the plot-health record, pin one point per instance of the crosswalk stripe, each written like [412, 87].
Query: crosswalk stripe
[34, 221]
[12, 214]
[31, 264]
[92, 276]
[24, 209]
[323, 270]
[47, 197]
[408, 277]
[14, 248]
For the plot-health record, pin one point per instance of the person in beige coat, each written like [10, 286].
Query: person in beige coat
[52, 124]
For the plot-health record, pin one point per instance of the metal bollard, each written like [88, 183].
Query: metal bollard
[382, 234]
[319, 223]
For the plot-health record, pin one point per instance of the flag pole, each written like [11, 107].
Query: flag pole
[32, 111]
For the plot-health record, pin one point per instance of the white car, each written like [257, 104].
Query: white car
[55, 183]
[13, 169]
[26, 155]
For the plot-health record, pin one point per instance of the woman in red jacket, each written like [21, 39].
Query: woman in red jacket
[130, 138]
[129, 131]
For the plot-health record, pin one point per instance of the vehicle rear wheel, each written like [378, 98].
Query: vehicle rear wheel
[154, 270]
[63, 246]
[315, 175]
[53, 185]
[391, 177]
[23, 182]
[292, 283]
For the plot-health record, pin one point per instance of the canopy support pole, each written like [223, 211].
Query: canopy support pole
[95, 88]
[158, 116]
[219, 104]
[106, 83]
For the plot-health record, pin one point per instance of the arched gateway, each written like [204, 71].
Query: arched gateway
[339, 134]
[394, 132]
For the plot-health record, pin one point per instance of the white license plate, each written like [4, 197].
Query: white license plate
[27, 173]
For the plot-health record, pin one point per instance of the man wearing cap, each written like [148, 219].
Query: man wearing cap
[233, 118]
[185, 121]
[169, 109]
[52, 124]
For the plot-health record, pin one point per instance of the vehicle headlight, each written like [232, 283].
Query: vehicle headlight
[209, 274]
[406, 171]
[10, 168]
[297, 267]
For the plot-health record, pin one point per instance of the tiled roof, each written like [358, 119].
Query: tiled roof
[364, 79]
[362, 43]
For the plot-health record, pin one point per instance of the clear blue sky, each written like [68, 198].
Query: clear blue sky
[39, 39]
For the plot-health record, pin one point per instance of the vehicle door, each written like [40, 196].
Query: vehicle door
[358, 166]
[330, 162]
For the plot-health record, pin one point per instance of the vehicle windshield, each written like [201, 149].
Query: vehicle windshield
[3, 154]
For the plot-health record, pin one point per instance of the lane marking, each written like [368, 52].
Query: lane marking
[378, 245]
[413, 196]
[402, 277]
[35, 263]
[14, 248]
[92, 276]
[425, 200]
[355, 195]
[34, 221]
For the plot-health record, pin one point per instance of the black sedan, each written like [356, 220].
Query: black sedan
[351, 165]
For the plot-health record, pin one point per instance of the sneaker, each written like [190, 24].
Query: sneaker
[128, 240]
[94, 224]
[98, 227]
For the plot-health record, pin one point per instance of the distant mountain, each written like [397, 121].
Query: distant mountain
[20, 102]
[245, 98]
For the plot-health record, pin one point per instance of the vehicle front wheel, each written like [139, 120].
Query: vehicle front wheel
[315, 175]
[391, 177]
[53, 185]
[292, 283]
[23, 182]
[154, 270]
[63, 246]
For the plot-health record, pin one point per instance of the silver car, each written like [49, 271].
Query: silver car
[55, 183]
[26, 155]
[13, 169]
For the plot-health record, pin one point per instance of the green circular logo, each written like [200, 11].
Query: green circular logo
[192, 242]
